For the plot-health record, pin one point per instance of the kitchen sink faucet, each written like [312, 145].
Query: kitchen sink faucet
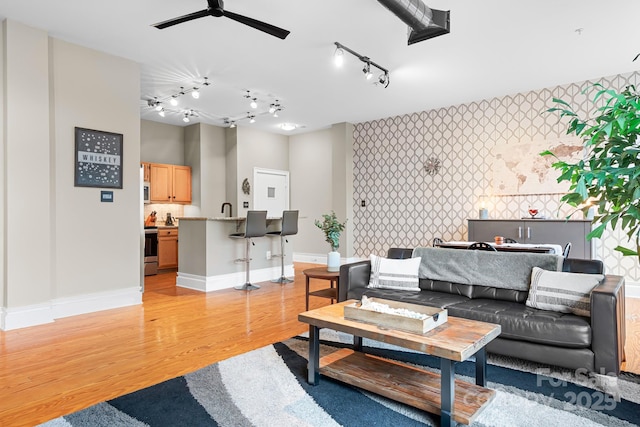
[230, 208]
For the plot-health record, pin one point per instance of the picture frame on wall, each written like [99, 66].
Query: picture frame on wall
[98, 158]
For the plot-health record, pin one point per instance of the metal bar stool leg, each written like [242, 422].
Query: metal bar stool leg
[248, 286]
[282, 279]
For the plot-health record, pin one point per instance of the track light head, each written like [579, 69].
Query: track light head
[367, 71]
[272, 108]
[232, 124]
[161, 112]
[195, 93]
[383, 79]
[338, 57]
[253, 103]
[186, 118]
[174, 100]
[206, 82]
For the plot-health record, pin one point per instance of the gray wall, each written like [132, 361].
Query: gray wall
[310, 157]
[257, 149]
[162, 143]
[212, 170]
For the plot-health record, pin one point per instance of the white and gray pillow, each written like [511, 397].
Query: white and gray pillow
[390, 273]
[562, 292]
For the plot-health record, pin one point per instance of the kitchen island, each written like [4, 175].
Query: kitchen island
[206, 254]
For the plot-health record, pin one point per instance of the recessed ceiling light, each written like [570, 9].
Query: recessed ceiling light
[288, 126]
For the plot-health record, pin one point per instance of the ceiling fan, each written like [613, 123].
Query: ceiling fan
[216, 8]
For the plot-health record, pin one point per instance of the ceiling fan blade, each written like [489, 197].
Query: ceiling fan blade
[181, 19]
[258, 25]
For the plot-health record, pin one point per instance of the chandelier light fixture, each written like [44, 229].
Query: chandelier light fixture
[338, 58]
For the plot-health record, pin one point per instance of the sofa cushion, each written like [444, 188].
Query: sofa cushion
[433, 299]
[520, 322]
[401, 274]
[563, 292]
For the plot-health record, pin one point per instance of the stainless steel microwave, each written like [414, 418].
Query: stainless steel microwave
[146, 193]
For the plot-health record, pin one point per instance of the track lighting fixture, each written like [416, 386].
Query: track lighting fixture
[161, 112]
[368, 63]
[173, 99]
[252, 118]
[253, 100]
[186, 118]
[232, 125]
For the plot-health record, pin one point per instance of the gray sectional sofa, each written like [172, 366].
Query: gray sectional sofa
[594, 343]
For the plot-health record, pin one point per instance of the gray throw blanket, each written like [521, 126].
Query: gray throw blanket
[497, 269]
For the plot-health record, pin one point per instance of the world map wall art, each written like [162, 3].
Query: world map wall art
[518, 168]
[98, 159]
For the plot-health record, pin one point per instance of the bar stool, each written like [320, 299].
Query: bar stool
[289, 228]
[255, 226]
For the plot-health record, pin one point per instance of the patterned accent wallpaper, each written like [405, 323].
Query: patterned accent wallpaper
[407, 207]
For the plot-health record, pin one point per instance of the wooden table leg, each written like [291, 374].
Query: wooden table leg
[313, 366]
[447, 392]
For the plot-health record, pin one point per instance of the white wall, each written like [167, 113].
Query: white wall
[27, 191]
[92, 236]
[88, 253]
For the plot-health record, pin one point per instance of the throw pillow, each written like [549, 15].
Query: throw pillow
[562, 292]
[390, 273]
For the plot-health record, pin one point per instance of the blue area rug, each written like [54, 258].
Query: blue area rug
[267, 387]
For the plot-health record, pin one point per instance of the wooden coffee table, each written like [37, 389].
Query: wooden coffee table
[455, 341]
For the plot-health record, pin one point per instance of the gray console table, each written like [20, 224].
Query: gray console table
[551, 231]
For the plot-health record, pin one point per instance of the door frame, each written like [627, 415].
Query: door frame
[256, 173]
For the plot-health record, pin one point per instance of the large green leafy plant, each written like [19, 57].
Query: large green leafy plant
[609, 173]
[332, 229]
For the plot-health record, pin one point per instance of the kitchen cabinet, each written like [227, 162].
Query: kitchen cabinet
[536, 231]
[170, 183]
[146, 171]
[167, 248]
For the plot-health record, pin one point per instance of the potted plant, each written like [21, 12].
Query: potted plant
[609, 174]
[332, 228]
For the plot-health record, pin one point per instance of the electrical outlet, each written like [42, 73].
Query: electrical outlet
[268, 254]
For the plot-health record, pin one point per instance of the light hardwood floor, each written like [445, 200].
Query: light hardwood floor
[50, 370]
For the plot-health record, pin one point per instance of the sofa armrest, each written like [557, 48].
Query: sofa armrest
[354, 278]
[608, 324]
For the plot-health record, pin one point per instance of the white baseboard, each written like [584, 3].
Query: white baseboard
[39, 314]
[29, 315]
[632, 290]
[226, 281]
[82, 304]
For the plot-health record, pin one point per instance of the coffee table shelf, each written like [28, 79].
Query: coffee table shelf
[403, 383]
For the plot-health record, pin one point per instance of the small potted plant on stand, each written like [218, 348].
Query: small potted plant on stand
[332, 228]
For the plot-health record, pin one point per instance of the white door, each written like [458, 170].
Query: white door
[271, 191]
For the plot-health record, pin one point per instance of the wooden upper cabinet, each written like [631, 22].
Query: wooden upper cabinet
[170, 183]
[146, 167]
[181, 184]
